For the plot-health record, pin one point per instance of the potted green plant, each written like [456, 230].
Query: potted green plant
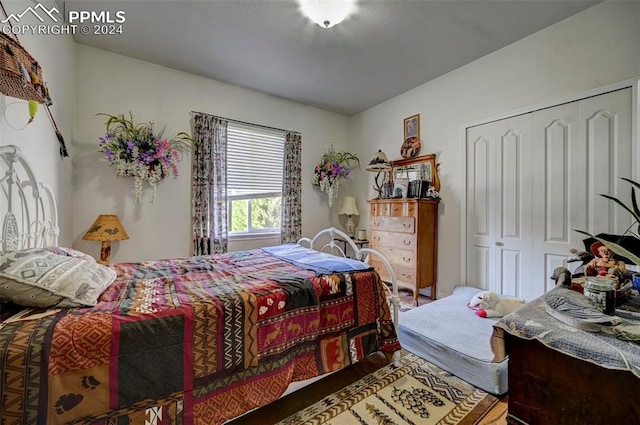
[628, 244]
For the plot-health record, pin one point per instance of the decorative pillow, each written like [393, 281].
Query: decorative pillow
[40, 278]
[70, 252]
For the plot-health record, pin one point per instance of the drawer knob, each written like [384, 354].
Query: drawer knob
[376, 223]
[408, 276]
[376, 238]
[406, 242]
[405, 259]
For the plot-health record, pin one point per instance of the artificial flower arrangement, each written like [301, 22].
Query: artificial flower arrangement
[334, 167]
[138, 151]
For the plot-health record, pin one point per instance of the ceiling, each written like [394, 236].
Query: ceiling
[386, 48]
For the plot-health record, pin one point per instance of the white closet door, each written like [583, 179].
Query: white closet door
[514, 184]
[499, 205]
[533, 179]
[559, 193]
[606, 131]
[481, 141]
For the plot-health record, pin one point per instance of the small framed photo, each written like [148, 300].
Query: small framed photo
[411, 142]
[401, 187]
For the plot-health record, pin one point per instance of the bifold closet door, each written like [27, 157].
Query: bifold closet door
[581, 150]
[560, 192]
[535, 178]
[499, 221]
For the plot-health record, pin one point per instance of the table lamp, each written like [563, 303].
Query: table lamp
[106, 228]
[379, 164]
[349, 207]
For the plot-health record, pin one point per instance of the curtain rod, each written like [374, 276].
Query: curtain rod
[243, 122]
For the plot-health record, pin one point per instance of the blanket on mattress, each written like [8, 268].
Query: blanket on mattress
[189, 340]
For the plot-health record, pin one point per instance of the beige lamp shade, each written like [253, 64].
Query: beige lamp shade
[106, 228]
[380, 162]
[349, 206]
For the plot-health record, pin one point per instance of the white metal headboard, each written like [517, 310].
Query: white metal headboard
[28, 208]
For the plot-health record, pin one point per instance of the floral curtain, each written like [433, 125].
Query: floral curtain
[291, 216]
[209, 184]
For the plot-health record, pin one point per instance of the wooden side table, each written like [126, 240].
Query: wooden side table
[360, 243]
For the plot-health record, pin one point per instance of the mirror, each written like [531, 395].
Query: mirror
[414, 178]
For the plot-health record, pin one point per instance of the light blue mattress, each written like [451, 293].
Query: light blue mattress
[448, 334]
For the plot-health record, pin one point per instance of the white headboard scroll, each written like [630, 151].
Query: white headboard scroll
[28, 208]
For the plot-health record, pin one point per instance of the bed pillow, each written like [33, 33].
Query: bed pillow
[70, 252]
[40, 278]
[319, 262]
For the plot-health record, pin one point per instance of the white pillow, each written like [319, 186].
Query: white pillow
[39, 278]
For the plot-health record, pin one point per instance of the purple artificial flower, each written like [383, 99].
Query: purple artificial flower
[109, 154]
[130, 145]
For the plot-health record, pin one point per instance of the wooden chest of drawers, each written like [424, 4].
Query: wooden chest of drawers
[405, 231]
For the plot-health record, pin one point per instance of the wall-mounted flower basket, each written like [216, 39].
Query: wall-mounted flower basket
[333, 169]
[138, 151]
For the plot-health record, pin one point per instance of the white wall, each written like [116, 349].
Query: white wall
[38, 142]
[115, 84]
[591, 49]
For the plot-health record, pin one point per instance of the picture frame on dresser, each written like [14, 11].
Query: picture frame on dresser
[401, 187]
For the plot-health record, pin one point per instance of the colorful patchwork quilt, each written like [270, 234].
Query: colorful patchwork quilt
[195, 340]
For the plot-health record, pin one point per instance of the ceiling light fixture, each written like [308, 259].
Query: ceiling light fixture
[327, 13]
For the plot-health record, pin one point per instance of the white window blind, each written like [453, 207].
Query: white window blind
[254, 160]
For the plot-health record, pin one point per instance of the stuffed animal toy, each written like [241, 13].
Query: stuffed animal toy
[490, 304]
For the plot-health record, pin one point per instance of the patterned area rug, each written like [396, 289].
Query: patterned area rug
[405, 307]
[416, 392]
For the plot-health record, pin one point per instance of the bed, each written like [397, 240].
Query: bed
[450, 335]
[184, 340]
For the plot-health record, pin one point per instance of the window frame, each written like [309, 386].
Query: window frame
[250, 233]
[255, 129]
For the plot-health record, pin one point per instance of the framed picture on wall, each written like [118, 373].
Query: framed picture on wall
[411, 142]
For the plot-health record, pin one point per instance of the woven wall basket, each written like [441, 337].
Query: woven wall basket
[12, 81]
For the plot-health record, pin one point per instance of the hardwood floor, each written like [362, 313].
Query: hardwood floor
[497, 415]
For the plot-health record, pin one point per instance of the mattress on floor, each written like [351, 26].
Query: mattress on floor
[450, 335]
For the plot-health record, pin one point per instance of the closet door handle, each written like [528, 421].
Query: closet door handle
[499, 243]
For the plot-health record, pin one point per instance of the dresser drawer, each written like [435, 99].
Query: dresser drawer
[394, 209]
[393, 224]
[402, 209]
[391, 239]
[398, 257]
[405, 276]
[380, 209]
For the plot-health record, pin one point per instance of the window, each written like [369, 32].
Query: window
[254, 178]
